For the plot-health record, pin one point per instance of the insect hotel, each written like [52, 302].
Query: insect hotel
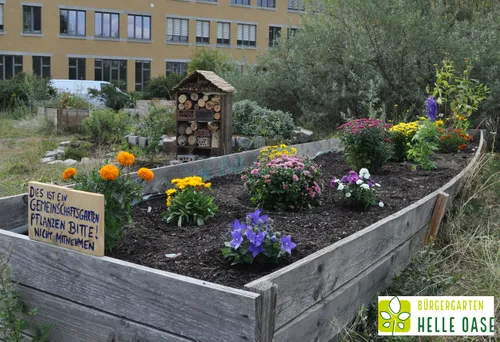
[203, 113]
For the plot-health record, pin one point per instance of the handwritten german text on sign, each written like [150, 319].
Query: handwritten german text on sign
[69, 218]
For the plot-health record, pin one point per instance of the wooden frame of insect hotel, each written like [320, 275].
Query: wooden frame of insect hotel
[204, 104]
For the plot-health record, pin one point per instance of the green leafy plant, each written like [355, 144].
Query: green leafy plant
[424, 144]
[106, 126]
[153, 126]
[13, 317]
[256, 241]
[366, 143]
[189, 204]
[113, 98]
[119, 191]
[161, 87]
[284, 182]
[77, 151]
[211, 60]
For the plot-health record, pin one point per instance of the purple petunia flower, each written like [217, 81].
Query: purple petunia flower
[237, 238]
[255, 217]
[255, 250]
[287, 244]
[432, 109]
[237, 225]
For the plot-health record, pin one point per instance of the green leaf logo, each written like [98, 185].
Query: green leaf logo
[393, 316]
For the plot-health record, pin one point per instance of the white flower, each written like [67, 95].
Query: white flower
[359, 181]
[376, 184]
[365, 186]
[381, 204]
[336, 180]
[348, 194]
[364, 173]
[341, 187]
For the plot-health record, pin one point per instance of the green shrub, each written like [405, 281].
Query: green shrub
[23, 91]
[113, 98]
[106, 126]
[158, 122]
[78, 152]
[251, 119]
[366, 143]
[424, 144]
[161, 87]
[211, 60]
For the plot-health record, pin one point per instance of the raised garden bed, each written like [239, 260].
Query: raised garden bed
[96, 299]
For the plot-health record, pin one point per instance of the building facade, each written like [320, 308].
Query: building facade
[131, 41]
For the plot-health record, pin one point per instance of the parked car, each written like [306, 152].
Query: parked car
[81, 88]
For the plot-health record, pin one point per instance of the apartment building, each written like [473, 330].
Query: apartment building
[133, 40]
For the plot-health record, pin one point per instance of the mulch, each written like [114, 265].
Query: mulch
[148, 240]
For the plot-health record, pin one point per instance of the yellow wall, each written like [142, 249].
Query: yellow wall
[12, 41]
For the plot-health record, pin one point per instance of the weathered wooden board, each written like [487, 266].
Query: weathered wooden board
[177, 304]
[308, 280]
[326, 319]
[77, 323]
[13, 211]
[65, 217]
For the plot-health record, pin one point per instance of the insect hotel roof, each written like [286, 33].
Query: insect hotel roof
[205, 81]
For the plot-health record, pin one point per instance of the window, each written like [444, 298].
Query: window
[177, 30]
[241, 2]
[223, 33]
[114, 71]
[107, 25]
[274, 35]
[246, 35]
[178, 68]
[32, 19]
[291, 32]
[77, 69]
[267, 3]
[142, 75]
[203, 32]
[72, 22]
[295, 5]
[41, 66]
[10, 66]
[1, 17]
[139, 27]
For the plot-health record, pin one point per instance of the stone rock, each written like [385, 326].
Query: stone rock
[86, 160]
[76, 144]
[169, 144]
[244, 143]
[70, 162]
[56, 162]
[60, 155]
[175, 162]
[53, 153]
[301, 135]
[64, 144]
[259, 141]
[143, 142]
[271, 142]
[233, 142]
[47, 159]
[133, 140]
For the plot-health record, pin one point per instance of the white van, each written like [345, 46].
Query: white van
[81, 88]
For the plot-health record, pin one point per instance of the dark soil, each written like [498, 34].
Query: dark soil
[149, 239]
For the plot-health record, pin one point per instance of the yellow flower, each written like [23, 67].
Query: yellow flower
[125, 158]
[439, 122]
[170, 192]
[208, 185]
[146, 174]
[169, 201]
[68, 173]
[109, 172]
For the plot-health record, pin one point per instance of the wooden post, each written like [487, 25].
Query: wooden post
[437, 216]
[266, 310]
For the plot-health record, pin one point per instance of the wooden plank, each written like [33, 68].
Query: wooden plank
[177, 304]
[325, 320]
[266, 311]
[77, 323]
[437, 216]
[314, 277]
[13, 211]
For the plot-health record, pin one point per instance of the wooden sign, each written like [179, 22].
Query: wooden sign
[65, 217]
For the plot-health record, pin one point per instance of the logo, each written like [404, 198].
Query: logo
[436, 316]
[393, 316]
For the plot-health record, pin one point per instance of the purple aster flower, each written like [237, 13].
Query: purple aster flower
[256, 250]
[287, 244]
[432, 109]
[237, 238]
[256, 238]
[237, 225]
[255, 217]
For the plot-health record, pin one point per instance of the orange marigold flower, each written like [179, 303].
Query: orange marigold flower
[441, 138]
[109, 172]
[68, 173]
[461, 147]
[146, 174]
[457, 130]
[125, 158]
